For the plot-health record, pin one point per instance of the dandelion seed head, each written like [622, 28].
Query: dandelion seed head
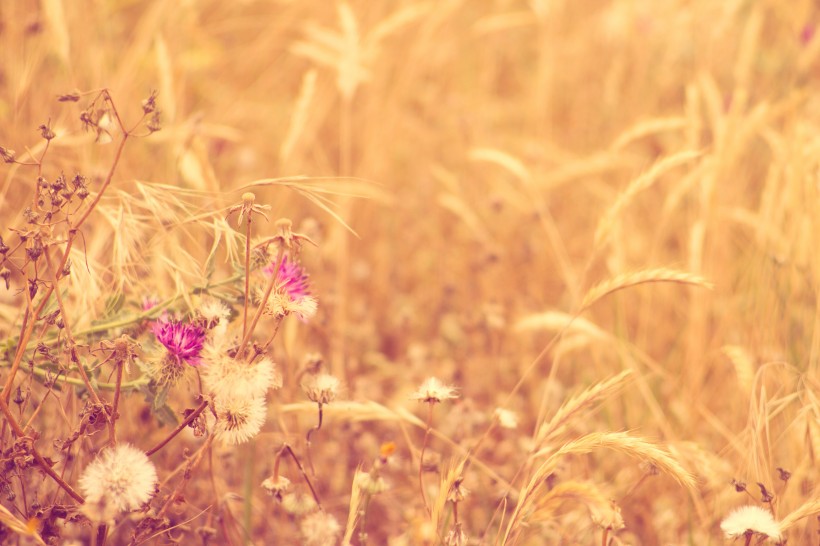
[320, 529]
[750, 520]
[213, 312]
[321, 388]
[298, 504]
[239, 419]
[117, 480]
[228, 378]
[276, 487]
[433, 391]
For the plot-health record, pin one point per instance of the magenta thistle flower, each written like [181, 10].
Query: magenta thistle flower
[292, 279]
[292, 291]
[184, 341]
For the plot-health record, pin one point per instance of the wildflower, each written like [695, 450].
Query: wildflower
[433, 391]
[213, 312]
[239, 419]
[750, 520]
[228, 378]
[276, 487]
[119, 479]
[456, 536]
[321, 388]
[293, 290]
[183, 341]
[298, 503]
[457, 492]
[320, 529]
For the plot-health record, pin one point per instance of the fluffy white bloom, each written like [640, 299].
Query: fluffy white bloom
[321, 388]
[119, 479]
[750, 520]
[239, 419]
[230, 378]
[433, 391]
[320, 529]
[214, 311]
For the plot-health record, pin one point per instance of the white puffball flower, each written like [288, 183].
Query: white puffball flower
[750, 520]
[433, 391]
[320, 529]
[239, 419]
[227, 378]
[119, 479]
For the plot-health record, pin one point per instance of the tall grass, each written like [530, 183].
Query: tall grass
[596, 220]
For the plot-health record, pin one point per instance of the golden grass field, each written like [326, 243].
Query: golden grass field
[599, 221]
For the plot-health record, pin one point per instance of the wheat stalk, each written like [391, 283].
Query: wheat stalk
[627, 280]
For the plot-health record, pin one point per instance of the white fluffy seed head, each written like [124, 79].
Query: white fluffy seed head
[433, 391]
[119, 479]
[228, 378]
[321, 388]
[320, 529]
[750, 520]
[239, 419]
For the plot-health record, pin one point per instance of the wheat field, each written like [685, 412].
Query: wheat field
[457, 272]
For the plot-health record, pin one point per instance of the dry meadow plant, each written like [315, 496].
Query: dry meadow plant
[435, 273]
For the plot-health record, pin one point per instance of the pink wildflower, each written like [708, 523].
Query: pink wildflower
[184, 341]
[292, 279]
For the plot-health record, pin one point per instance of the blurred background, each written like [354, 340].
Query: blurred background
[469, 170]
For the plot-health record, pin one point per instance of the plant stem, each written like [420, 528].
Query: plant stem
[421, 455]
[247, 272]
[115, 405]
[261, 309]
[188, 420]
[307, 441]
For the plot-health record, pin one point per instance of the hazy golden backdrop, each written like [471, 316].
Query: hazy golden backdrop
[470, 170]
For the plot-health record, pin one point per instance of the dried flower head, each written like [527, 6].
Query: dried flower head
[182, 340]
[321, 388]
[320, 529]
[239, 419]
[433, 391]
[750, 520]
[456, 536]
[276, 487]
[119, 479]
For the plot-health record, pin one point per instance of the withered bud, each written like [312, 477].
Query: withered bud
[69, 97]
[3, 246]
[82, 193]
[149, 105]
[764, 493]
[46, 132]
[154, 123]
[42, 182]
[18, 396]
[35, 250]
[5, 274]
[67, 269]
[740, 487]
[784, 474]
[30, 215]
[7, 155]
[59, 183]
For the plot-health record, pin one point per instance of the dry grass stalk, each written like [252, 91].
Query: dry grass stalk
[638, 185]
[627, 280]
[577, 405]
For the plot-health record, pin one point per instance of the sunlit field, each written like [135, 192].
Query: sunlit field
[446, 273]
